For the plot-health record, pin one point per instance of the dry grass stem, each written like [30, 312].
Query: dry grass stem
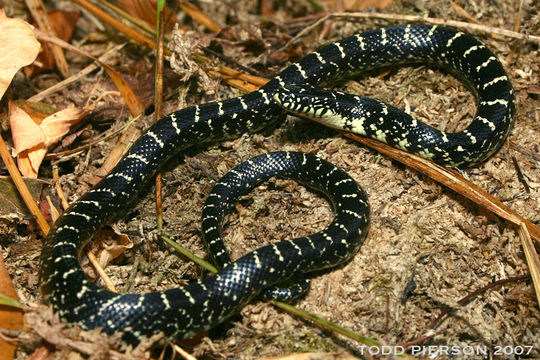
[102, 274]
[412, 19]
[21, 187]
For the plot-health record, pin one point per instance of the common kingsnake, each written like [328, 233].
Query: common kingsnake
[182, 312]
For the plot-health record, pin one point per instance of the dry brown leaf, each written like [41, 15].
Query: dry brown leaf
[110, 244]
[32, 135]
[145, 10]
[63, 23]
[19, 48]
[25, 131]
[10, 318]
[58, 124]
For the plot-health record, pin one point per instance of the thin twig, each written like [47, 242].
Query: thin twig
[134, 104]
[520, 176]
[39, 13]
[309, 17]
[21, 187]
[127, 139]
[102, 274]
[125, 15]
[415, 18]
[59, 190]
[81, 74]
[517, 21]
[158, 101]
[230, 61]
[183, 353]
[111, 21]
[62, 154]
[531, 256]
[437, 21]
[469, 17]
[196, 14]
[475, 293]
[464, 13]
[421, 339]
[133, 273]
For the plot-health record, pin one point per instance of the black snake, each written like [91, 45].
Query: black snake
[182, 312]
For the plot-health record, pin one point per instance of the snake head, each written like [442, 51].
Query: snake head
[328, 107]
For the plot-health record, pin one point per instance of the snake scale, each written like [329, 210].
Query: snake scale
[183, 312]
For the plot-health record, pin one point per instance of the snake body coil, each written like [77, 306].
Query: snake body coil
[185, 311]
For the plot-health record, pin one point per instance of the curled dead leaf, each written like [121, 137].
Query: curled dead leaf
[33, 135]
[110, 244]
[19, 48]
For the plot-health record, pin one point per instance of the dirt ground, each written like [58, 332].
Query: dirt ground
[421, 233]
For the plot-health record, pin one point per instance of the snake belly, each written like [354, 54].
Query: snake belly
[182, 312]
